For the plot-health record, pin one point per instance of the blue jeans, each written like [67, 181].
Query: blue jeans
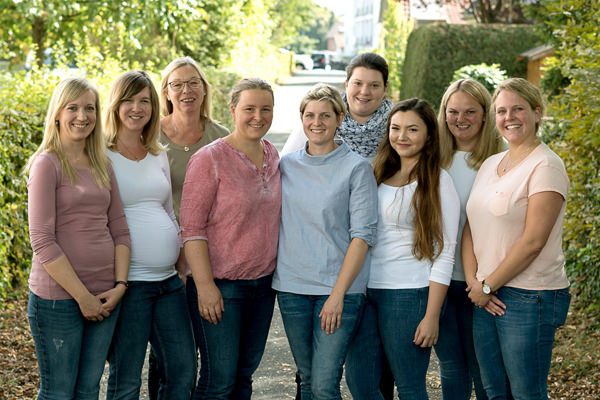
[156, 312]
[319, 357]
[515, 350]
[231, 351]
[365, 357]
[459, 369]
[71, 351]
[399, 312]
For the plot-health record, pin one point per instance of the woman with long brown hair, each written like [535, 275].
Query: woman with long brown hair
[412, 261]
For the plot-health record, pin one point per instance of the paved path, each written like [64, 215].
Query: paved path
[274, 379]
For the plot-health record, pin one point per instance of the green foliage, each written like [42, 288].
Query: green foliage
[575, 129]
[312, 34]
[23, 99]
[143, 34]
[394, 37]
[435, 51]
[488, 75]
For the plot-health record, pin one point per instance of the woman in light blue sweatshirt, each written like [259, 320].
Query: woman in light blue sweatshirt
[328, 223]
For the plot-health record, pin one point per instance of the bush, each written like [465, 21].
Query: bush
[23, 101]
[575, 110]
[435, 51]
[488, 75]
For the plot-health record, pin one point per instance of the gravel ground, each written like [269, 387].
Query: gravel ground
[274, 378]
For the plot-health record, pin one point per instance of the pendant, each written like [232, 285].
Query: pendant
[185, 148]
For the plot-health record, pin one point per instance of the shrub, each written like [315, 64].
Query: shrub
[435, 51]
[23, 101]
[575, 110]
[488, 75]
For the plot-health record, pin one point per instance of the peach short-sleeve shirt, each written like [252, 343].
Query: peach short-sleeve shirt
[497, 209]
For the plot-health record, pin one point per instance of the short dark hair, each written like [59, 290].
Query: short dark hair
[369, 61]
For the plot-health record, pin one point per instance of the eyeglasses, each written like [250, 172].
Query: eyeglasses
[177, 86]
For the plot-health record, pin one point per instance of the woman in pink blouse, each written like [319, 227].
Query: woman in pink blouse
[81, 245]
[230, 214]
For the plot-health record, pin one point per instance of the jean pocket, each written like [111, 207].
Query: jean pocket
[562, 300]
[524, 295]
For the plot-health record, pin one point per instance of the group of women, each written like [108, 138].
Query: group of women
[383, 231]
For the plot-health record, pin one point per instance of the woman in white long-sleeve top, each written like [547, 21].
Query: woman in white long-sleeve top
[412, 262]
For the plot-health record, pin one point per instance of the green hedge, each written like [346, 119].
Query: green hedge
[573, 85]
[435, 51]
[23, 100]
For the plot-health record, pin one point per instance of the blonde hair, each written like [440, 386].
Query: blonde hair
[524, 89]
[95, 147]
[489, 141]
[125, 87]
[324, 92]
[248, 84]
[166, 106]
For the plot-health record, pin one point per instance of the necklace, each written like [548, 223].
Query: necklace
[131, 153]
[508, 165]
[74, 161]
[185, 147]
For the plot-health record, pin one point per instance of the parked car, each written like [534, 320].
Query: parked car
[321, 59]
[303, 61]
[329, 60]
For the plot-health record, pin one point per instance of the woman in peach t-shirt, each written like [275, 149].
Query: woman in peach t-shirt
[512, 250]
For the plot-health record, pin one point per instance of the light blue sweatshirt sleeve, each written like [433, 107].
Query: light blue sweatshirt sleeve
[363, 204]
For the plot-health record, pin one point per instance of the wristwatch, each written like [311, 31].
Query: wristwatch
[486, 288]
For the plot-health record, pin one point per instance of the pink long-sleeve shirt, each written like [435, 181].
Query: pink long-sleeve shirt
[83, 221]
[235, 207]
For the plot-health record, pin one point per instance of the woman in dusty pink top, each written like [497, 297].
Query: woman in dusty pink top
[512, 250]
[230, 214]
[81, 245]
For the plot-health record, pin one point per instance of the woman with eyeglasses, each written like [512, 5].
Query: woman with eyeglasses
[186, 127]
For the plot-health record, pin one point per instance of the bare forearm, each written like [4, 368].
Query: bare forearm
[122, 259]
[437, 294]
[518, 259]
[63, 273]
[196, 254]
[468, 255]
[353, 262]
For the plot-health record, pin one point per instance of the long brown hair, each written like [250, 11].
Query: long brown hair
[428, 239]
[125, 87]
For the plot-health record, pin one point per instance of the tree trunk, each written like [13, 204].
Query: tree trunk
[38, 36]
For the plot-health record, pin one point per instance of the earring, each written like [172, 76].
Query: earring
[57, 123]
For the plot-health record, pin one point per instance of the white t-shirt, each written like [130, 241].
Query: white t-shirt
[145, 189]
[393, 265]
[462, 177]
